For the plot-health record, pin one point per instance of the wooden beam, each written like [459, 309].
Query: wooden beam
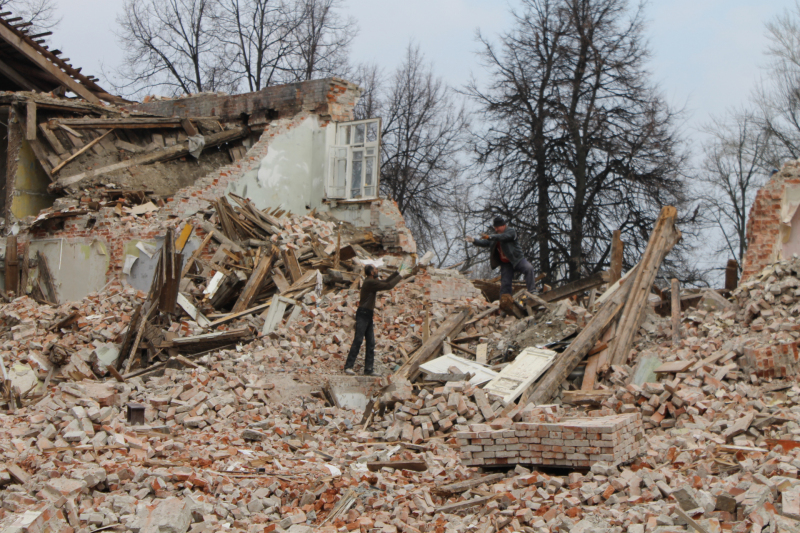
[548, 386]
[432, 345]
[665, 235]
[30, 121]
[586, 397]
[79, 152]
[122, 123]
[732, 275]
[12, 265]
[676, 312]
[52, 139]
[253, 284]
[183, 238]
[462, 486]
[9, 72]
[26, 49]
[460, 506]
[153, 157]
[617, 249]
[571, 289]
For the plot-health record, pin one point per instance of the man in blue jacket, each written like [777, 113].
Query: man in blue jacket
[507, 254]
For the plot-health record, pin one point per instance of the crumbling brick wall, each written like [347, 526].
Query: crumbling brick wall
[764, 242]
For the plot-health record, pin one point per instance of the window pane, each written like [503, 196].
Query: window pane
[359, 134]
[358, 155]
[341, 174]
[370, 171]
[372, 131]
[369, 191]
[341, 153]
[356, 183]
[370, 151]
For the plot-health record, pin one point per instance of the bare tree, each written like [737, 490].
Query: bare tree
[323, 38]
[370, 78]
[41, 14]
[259, 38]
[577, 141]
[172, 45]
[730, 176]
[423, 135]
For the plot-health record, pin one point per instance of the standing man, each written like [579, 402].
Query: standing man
[506, 253]
[364, 315]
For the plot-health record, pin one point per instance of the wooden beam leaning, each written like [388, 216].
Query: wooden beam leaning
[576, 287]
[11, 73]
[615, 268]
[665, 235]
[19, 44]
[83, 150]
[549, 384]
[432, 345]
[254, 283]
[153, 157]
[12, 265]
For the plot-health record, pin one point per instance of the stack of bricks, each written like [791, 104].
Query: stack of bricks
[575, 442]
[772, 361]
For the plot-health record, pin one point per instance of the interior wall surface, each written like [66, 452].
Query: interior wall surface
[143, 267]
[77, 268]
[30, 193]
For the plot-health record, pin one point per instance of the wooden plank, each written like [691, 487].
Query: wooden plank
[209, 337]
[115, 373]
[195, 255]
[514, 379]
[432, 345]
[188, 127]
[183, 238]
[415, 466]
[462, 486]
[124, 123]
[275, 314]
[483, 314]
[209, 228]
[549, 385]
[467, 504]
[731, 275]
[590, 373]
[292, 265]
[617, 249]
[253, 284]
[665, 235]
[233, 316]
[280, 280]
[30, 121]
[152, 157]
[52, 139]
[12, 265]
[576, 287]
[676, 312]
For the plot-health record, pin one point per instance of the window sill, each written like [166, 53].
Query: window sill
[350, 202]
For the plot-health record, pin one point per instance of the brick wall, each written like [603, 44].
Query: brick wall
[115, 232]
[764, 221]
[576, 442]
[774, 361]
[449, 285]
[331, 98]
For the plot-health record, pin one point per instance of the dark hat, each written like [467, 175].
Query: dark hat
[498, 221]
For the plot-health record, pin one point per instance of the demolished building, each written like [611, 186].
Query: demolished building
[181, 277]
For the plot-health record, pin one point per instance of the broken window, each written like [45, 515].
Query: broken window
[353, 166]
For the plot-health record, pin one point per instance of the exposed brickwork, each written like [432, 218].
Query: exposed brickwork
[331, 98]
[116, 232]
[449, 285]
[576, 442]
[764, 222]
[775, 361]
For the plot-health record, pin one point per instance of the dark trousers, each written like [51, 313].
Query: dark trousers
[507, 276]
[364, 327]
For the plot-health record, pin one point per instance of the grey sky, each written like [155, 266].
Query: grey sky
[706, 53]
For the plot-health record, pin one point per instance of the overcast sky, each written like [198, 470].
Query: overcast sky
[707, 54]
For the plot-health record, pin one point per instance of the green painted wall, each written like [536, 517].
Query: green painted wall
[30, 187]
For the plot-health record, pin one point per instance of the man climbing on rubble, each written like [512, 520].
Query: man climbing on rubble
[364, 315]
[507, 254]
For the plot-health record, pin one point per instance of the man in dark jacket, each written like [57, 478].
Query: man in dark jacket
[364, 315]
[506, 253]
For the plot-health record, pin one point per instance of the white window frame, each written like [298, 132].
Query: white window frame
[344, 150]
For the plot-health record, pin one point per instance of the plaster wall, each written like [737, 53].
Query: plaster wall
[77, 268]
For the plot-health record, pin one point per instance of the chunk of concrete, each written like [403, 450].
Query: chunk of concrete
[712, 301]
[172, 515]
[103, 356]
